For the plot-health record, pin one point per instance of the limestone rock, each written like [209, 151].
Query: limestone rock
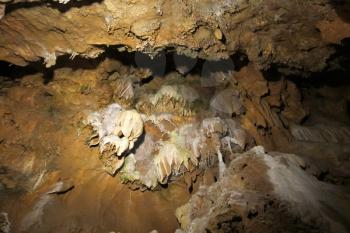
[117, 131]
[205, 29]
[187, 147]
[321, 133]
[130, 124]
[236, 135]
[276, 188]
[218, 34]
[293, 107]
[170, 158]
[144, 28]
[227, 101]
[123, 89]
[2, 10]
[214, 126]
[5, 225]
[174, 99]
[252, 81]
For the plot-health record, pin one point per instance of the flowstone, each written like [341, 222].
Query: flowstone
[185, 128]
[162, 160]
[116, 133]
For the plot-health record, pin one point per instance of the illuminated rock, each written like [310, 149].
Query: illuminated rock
[117, 132]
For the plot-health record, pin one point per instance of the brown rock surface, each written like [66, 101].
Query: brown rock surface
[266, 192]
[50, 176]
[268, 32]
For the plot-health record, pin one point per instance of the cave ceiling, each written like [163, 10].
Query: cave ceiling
[296, 34]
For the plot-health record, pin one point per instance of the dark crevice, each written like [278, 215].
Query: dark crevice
[78, 62]
[335, 75]
[240, 60]
[56, 5]
[160, 66]
[190, 189]
[10, 7]
[146, 80]
[348, 108]
[342, 8]
[14, 72]
[272, 74]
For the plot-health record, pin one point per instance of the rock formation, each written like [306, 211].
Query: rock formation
[156, 115]
[117, 131]
[284, 192]
[269, 32]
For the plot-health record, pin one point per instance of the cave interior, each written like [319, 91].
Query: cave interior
[146, 116]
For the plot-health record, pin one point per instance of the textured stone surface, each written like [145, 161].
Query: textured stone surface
[266, 192]
[291, 34]
[43, 142]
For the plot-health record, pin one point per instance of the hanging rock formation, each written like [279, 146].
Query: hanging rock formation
[288, 33]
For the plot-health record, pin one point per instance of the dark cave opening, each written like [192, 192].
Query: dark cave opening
[336, 74]
[160, 65]
[53, 4]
